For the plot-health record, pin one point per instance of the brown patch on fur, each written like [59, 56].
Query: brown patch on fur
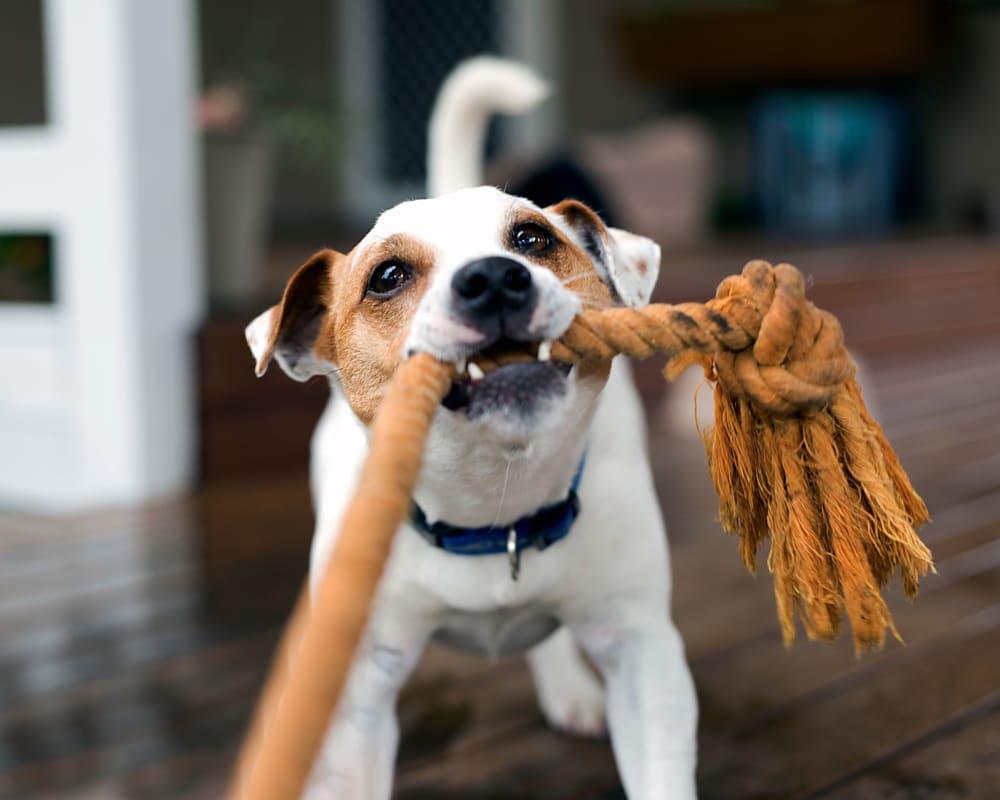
[369, 332]
[303, 297]
[362, 335]
[570, 262]
[592, 289]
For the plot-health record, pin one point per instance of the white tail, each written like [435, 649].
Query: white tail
[474, 91]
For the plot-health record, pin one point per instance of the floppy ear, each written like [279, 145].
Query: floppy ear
[628, 263]
[289, 331]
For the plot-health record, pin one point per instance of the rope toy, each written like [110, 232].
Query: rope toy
[793, 453]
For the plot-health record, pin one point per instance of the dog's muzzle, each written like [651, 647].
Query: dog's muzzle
[511, 372]
[496, 296]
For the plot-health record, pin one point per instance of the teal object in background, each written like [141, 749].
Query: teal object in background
[828, 164]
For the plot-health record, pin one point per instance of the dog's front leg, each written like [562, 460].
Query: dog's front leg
[358, 755]
[652, 708]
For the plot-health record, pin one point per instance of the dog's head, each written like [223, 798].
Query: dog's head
[469, 277]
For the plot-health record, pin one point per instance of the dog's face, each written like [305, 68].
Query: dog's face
[470, 278]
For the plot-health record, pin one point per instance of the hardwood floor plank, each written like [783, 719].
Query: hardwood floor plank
[958, 759]
[802, 677]
[832, 737]
[204, 698]
[528, 762]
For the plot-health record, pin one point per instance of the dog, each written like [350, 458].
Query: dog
[535, 524]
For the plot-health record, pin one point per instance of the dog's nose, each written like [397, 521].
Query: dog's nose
[495, 291]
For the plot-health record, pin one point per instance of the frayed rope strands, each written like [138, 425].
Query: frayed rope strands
[793, 453]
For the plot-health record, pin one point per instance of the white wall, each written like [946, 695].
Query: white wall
[96, 392]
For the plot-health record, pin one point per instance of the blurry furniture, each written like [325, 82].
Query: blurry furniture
[656, 179]
[255, 509]
[238, 169]
[250, 427]
[828, 163]
[659, 177]
[823, 88]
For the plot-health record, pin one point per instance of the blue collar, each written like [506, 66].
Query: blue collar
[546, 526]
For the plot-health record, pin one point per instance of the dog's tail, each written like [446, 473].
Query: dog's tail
[474, 91]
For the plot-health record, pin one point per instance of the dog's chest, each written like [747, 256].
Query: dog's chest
[498, 632]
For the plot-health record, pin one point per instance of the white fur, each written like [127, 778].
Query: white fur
[607, 582]
[258, 336]
[466, 225]
[635, 266]
[472, 93]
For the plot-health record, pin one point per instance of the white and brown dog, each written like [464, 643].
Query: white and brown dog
[535, 525]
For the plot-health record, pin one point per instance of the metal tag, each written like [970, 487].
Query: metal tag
[513, 554]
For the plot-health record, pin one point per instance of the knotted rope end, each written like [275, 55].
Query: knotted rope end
[795, 456]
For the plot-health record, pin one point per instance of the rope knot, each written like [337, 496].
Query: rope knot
[770, 345]
[789, 357]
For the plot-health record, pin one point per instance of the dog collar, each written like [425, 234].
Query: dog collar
[546, 526]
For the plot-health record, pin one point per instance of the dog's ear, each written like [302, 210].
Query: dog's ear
[289, 330]
[635, 266]
[628, 263]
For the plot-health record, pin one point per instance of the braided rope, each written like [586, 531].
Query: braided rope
[797, 361]
[317, 648]
[794, 455]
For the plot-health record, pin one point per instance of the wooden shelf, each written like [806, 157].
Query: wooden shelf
[849, 41]
[250, 426]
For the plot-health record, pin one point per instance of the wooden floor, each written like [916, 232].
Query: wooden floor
[133, 642]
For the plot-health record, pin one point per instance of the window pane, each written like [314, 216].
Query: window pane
[22, 64]
[27, 272]
[420, 44]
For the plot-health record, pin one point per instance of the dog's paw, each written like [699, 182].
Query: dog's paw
[575, 705]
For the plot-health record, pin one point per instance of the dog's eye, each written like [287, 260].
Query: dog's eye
[531, 238]
[388, 278]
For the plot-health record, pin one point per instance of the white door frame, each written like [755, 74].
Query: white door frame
[97, 389]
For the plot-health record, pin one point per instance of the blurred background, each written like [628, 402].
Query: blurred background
[165, 166]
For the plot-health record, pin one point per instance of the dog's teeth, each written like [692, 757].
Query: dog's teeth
[476, 372]
[460, 366]
[545, 351]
